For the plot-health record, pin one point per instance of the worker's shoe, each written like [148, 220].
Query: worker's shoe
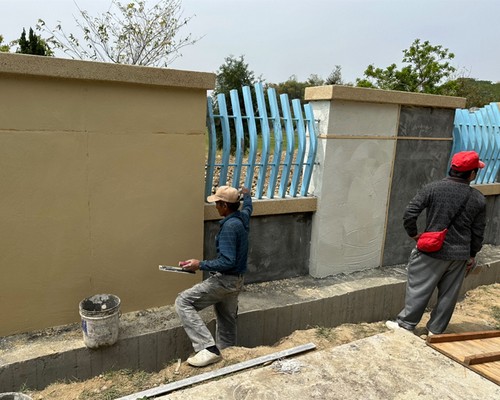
[203, 358]
[393, 325]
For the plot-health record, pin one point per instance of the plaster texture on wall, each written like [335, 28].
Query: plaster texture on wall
[351, 182]
[376, 148]
[426, 122]
[362, 119]
[92, 198]
[418, 161]
[492, 232]
[348, 227]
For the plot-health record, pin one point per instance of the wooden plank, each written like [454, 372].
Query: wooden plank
[482, 358]
[161, 390]
[477, 351]
[453, 337]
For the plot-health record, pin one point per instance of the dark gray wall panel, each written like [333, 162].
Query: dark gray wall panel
[417, 162]
[492, 232]
[426, 122]
[279, 246]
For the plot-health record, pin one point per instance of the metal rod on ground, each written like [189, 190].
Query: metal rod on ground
[160, 390]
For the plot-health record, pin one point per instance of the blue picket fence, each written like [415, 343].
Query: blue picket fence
[281, 171]
[479, 130]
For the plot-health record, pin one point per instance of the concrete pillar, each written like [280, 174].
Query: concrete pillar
[359, 170]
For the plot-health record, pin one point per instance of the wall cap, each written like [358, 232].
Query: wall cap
[51, 67]
[262, 207]
[367, 95]
[488, 189]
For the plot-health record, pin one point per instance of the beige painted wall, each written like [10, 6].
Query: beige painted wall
[101, 180]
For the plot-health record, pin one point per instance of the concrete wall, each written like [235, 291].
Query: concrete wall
[102, 172]
[92, 198]
[280, 234]
[492, 194]
[376, 148]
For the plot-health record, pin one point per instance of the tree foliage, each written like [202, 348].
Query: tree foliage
[4, 47]
[296, 89]
[478, 93]
[126, 34]
[292, 87]
[335, 77]
[427, 70]
[34, 45]
[233, 74]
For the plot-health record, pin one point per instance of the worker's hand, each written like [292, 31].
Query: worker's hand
[415, 238]
[471, 264]
[190, 265]
[244, 190]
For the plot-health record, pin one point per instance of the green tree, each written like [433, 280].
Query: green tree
[233, 74]
[4, 48]
[335, 77]
[126, 34]
[428, 69]
[315, 80]
[477, 93]
[33, 45]
[292, 87]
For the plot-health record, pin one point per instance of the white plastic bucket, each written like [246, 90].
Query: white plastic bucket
[100, 320]
[14, 396]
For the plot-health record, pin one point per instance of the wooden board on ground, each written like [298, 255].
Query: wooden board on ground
[478, 351]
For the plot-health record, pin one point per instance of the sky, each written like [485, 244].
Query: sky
[281, 38]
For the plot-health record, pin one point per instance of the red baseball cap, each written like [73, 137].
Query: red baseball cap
[466, 161]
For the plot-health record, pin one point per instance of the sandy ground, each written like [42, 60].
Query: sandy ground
[478, 311]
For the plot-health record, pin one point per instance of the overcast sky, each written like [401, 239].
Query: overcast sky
[280, 38]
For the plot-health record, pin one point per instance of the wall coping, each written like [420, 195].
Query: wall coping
[488, 189]
[262, 207]
[367, 95]
[51, 67]
[292, 205]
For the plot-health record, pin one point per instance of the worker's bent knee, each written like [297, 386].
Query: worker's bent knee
[180, 303]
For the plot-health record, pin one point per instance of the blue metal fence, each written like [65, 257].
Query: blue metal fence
[290, 162]
[479, 130]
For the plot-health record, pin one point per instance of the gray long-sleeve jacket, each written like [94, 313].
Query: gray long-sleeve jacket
[441, 200]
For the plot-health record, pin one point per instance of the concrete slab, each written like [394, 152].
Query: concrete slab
[396, 365]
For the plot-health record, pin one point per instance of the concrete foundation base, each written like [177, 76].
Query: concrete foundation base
[268, 311]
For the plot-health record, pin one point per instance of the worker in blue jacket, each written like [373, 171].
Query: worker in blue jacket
[225, 281]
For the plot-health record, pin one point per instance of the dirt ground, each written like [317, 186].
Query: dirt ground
[478, 311]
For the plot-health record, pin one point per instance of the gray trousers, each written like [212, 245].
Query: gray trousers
[222, 292]
[424, 275]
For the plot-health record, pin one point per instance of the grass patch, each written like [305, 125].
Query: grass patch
[123, 381]
[107, 394]
[323, 332]
[495, 313]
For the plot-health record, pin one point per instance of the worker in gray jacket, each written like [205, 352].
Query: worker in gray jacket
[450, 199]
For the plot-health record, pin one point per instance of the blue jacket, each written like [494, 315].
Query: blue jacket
[232, 242]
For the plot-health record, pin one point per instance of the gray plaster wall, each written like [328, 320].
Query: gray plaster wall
[492, 232]
[417, 162]
[279, 246]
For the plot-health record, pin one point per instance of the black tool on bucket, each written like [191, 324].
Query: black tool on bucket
[169, 268]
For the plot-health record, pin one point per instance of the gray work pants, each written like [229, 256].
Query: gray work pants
[424, 275]
[222, 292]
